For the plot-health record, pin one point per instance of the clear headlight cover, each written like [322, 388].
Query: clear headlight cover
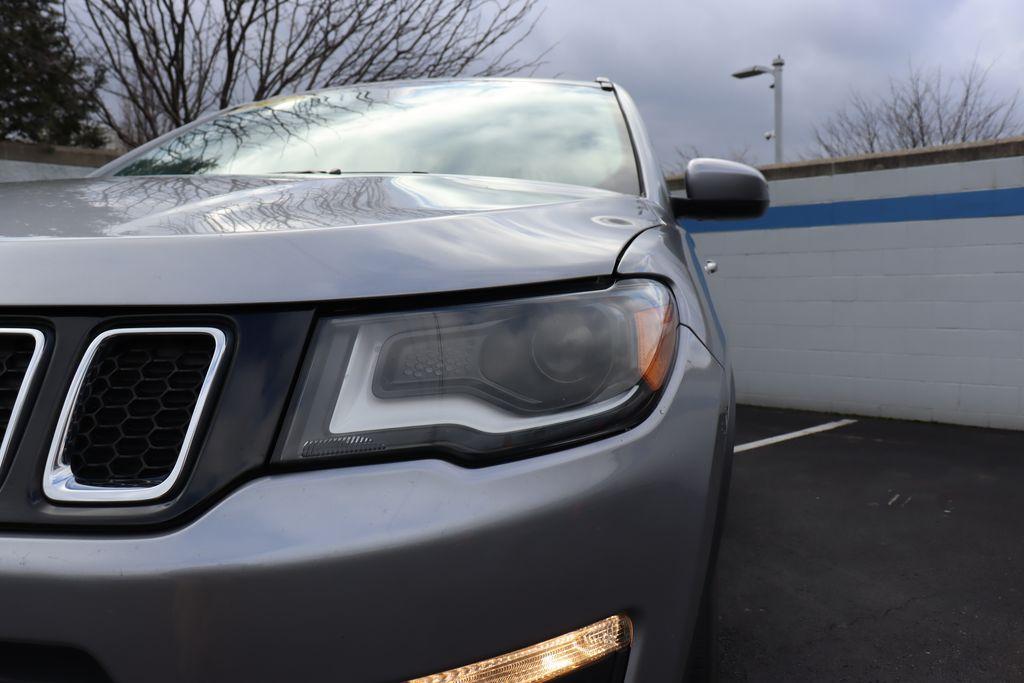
[484, 381]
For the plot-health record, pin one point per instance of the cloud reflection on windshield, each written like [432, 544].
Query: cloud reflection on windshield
[516, 129]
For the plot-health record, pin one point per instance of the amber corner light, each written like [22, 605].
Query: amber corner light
[548, 660]
[656, 332]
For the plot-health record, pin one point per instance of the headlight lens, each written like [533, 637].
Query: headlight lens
[484, 381]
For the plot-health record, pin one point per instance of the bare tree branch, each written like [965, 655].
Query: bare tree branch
[923, 109]
[169, 61]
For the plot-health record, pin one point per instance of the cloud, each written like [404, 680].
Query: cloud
[675, 57]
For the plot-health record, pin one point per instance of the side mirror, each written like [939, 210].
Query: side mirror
[718, 189]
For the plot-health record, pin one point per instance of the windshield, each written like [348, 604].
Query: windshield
[514, 129]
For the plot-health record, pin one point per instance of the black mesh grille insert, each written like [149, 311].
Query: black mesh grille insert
[134, 407]
[15, 356]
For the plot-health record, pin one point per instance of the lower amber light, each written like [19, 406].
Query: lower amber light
[548, 660]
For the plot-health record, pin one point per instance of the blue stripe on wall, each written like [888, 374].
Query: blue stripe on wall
[932, 207]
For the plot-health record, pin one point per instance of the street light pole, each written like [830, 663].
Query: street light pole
[776, 71]
[777, 86]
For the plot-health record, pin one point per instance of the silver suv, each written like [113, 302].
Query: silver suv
[400, 381]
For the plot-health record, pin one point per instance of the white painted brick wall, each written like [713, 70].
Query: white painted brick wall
[920, 320]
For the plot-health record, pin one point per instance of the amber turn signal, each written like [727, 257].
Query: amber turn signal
[548, 660]
[656, 343]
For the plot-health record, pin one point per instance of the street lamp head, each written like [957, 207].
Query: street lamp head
[752, 71]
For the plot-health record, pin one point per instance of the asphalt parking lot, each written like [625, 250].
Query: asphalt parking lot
[880, 550]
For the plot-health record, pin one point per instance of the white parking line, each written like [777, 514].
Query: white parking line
[792, 435]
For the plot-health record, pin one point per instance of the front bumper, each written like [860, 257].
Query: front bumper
[386, 572]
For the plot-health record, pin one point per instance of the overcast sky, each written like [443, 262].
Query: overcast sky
[675, 57]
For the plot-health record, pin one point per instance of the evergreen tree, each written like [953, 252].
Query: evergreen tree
[48, 94]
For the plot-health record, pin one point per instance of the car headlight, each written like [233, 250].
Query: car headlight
[485, 381]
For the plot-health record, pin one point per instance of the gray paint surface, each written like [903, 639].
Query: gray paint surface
[223, 240]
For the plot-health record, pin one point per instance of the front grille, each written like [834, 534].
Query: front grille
[15, 356]
[19, 351]
[132, 412]
[134, 408]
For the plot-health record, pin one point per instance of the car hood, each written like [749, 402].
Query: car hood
[250, 239]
